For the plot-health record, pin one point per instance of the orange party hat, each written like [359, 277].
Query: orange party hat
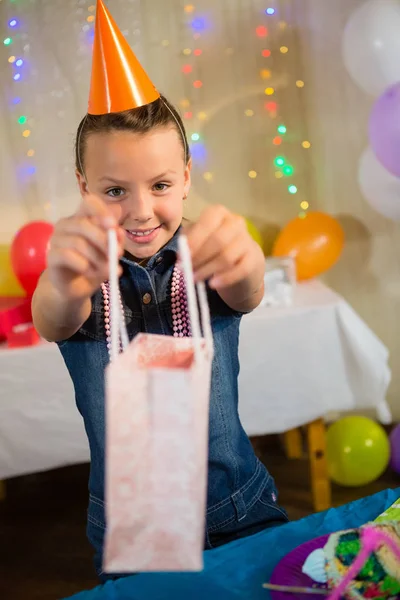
[119, 81]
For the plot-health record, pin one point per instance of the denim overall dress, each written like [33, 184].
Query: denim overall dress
[242, 498]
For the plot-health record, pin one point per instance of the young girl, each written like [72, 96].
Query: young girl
[133, 170]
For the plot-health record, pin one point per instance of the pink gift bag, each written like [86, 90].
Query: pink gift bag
[157, 406]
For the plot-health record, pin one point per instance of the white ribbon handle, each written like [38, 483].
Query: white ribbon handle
[193, 309]
[117, 321]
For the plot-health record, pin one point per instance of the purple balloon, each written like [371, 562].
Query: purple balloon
[395, 446]
[384, 129]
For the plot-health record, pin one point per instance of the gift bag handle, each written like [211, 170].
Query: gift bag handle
[193, 306]
[117, 321]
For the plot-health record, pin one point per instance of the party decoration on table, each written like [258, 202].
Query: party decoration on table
[23, 335]
[390, 514]
[9, 285]
[315, 241]
[395, 450]
[112, 88]
[379, 187]
[255, 233]
[28, 253]
[384, 128]
[358, 451]
[279, 281]
[13, 312]
[371, 45]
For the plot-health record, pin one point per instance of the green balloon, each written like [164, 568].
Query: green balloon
[358, 451]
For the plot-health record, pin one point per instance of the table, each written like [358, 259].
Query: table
[238, 570]
[297, 365]
[302, 362]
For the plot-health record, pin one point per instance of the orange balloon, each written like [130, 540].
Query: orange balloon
[119, 81]
[315, 241]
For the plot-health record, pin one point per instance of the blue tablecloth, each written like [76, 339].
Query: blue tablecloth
[239, 569]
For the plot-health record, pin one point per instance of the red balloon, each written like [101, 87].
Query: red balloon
[28, 253]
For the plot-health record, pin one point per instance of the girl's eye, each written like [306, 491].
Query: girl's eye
[115, 192]
[160, 187]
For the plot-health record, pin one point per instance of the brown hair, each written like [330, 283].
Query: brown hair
[160, 113]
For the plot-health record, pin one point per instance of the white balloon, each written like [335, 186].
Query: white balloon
[380, 188]
[371, 45]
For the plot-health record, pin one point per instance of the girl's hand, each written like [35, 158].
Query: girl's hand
[224, 253]
[77, 261]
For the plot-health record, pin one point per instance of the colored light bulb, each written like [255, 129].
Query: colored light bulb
[8, 41]
[22, 120]
[282, 129]
[261, 31]
[19, 62]
[279, 161]
[270, 11]
[195, 137]
[198, 24]
[292, 189]
[288, 170]
[13, 23]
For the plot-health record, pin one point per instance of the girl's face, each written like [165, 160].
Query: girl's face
[143, 179]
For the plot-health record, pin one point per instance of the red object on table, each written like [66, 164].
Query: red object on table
[23, 335]
[13, 312]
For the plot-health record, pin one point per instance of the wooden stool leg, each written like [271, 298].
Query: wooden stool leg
[320, 483]
[293, 443]
[2, 490]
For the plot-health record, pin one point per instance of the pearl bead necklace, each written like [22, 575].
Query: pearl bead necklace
[179, 309]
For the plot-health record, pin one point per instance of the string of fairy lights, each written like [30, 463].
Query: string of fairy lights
[284, 170]
[19, 73]
[197, 25]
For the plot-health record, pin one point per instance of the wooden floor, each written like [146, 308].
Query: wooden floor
[44, 554]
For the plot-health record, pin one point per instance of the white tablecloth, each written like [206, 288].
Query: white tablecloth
[303, 362]
[297, 364]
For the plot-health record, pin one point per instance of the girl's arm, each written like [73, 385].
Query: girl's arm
[55, 316]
